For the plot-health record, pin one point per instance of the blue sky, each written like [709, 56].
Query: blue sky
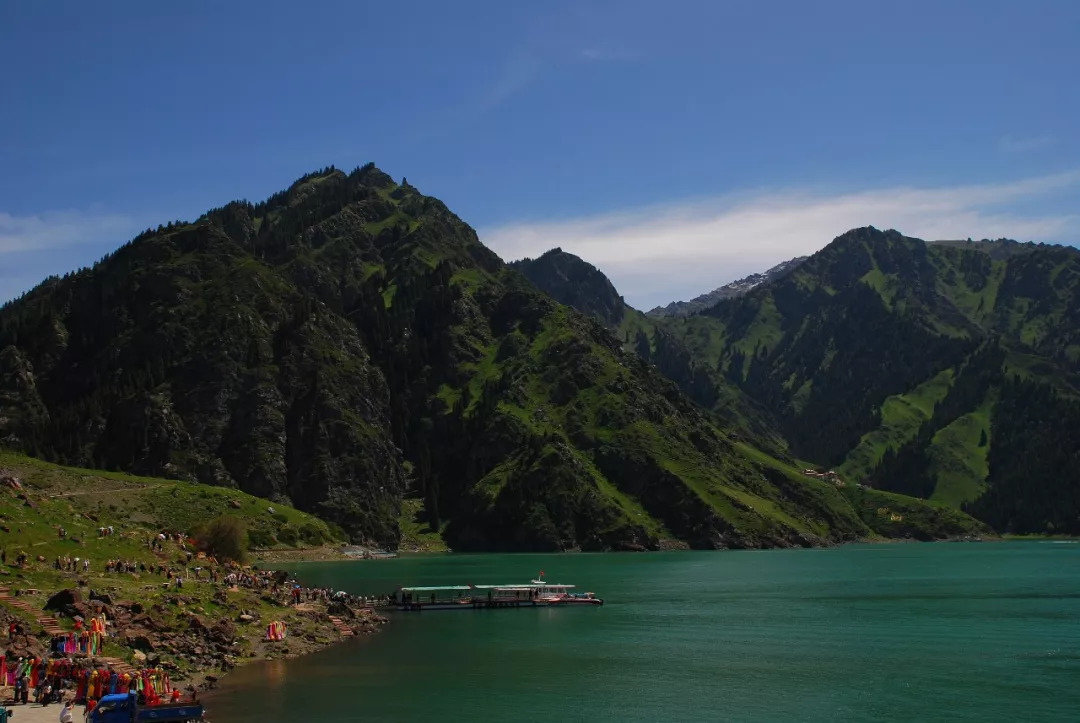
[675, 145]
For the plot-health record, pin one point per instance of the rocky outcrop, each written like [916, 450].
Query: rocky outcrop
[732, 290]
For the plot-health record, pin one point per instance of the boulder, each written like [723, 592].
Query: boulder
[83, 610]
[340, 609]
[63, 600]
[102, 596]
[245, 618]
[139, 658]
[223, 631]
[140, 641]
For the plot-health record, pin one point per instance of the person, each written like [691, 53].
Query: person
[90, 705]
[46, 693]
[66, 712]
[175, 697]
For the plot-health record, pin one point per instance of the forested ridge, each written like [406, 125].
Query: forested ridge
[930, 369]
[348, 345]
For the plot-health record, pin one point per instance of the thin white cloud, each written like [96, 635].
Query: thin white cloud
[516, 73]
[1024, 144]
[606, 55]
[58, 229]
[33, 247]
[676, 251]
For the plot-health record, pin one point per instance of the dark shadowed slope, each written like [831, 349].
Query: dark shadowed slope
[349, 343]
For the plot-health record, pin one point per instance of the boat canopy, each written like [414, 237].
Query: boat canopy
[493, 587]
[546, 584]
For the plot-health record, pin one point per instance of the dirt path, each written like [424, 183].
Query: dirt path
[33, 713]
[141, 488]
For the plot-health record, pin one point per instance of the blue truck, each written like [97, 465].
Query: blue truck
[125, 708]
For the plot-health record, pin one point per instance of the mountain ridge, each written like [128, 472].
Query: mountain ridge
[730, 290]
[349, 343]
[899, 362]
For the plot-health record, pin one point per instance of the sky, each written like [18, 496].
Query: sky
[675, 145]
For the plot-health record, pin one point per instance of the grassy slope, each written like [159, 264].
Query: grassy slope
[966, 300]
[958, 460]
[54, 496]
[901, 417]
[898, 516]
[75, 495]
[416, 534]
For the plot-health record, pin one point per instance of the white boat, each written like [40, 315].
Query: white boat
[536, 593]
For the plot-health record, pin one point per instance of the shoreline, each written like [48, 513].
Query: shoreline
[196, 629]
[298, 556]
[186, 650]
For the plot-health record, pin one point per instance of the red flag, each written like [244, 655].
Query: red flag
[541, 573]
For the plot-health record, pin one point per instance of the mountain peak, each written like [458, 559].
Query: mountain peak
[727, 291]
[574, 282]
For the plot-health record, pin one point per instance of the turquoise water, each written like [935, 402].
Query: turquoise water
[902, 632]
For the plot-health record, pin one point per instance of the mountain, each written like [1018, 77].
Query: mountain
[348, 344]
[948, 370]
[929, 369]
[574, 282]
[999, 249]
[727, 291]
[577, 283]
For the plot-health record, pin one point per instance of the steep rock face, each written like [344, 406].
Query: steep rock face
[571, 281]
[349, 342]
[21, 408]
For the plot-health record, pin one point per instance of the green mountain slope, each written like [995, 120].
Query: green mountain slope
[348, 344]
[571, 281]
[897, 363]
[885, 357]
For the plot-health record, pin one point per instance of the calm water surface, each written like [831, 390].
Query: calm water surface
[903, 632]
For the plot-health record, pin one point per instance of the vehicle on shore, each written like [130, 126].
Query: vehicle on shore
[125, 708]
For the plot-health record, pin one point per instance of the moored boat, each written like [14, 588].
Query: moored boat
[536, 593]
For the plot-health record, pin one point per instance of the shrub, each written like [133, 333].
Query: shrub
[225, 538]
[261, 538]
[287, 536]
[312, 534]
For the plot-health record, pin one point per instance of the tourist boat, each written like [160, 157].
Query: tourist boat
[555, 594]
[536, 593]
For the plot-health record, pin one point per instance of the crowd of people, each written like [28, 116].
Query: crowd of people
[54, 680]
[51, 680]
[72, 564]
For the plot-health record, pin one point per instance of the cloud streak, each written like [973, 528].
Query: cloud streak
[1024, 144]
[58, 230]
[35, 246]
[676, 251]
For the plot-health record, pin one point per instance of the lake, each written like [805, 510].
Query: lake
[892, 632]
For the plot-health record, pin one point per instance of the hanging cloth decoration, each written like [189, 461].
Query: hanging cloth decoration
[277, 630]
